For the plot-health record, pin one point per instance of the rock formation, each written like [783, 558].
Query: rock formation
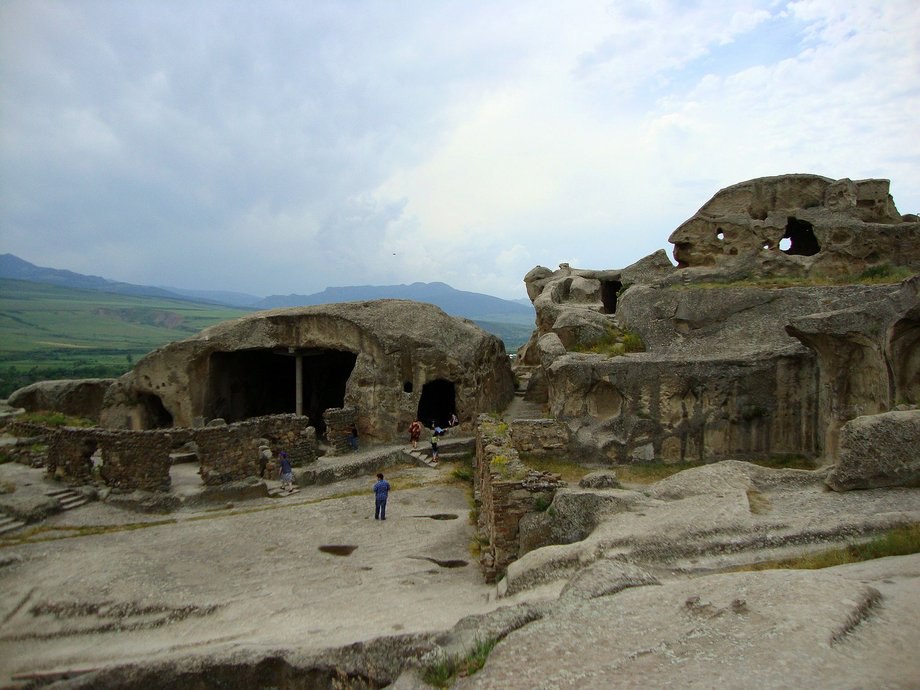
[390, 360]
[79, 398]
[730, 366]
[799, 225]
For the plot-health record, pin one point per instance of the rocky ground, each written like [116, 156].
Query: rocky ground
[309, 590]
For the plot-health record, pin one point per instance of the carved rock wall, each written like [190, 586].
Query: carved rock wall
[736, 371]
[388, 359]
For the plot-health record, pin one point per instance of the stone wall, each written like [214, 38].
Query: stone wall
[339, 421]
[70, 454]
[505, 491]
[539, 436]
[231, 452]
[130, 460]
[138, 460]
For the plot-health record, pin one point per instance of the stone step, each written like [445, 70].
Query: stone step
[68, 498]
[56, 493]
[8, 524]
[71, 502]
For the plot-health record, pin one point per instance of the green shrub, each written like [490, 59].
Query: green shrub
[542, 502]
[613, 343]
[442, 673]
[632, 342]
[464, 473]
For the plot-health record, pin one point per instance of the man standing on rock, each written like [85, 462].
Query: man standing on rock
[381, 492]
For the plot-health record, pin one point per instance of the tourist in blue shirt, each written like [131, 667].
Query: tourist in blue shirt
[287, 474]
[381, 491]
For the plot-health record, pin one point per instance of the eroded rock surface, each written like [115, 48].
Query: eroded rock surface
[701, 362]
[78, 398]
[390, 360]
[879, 450]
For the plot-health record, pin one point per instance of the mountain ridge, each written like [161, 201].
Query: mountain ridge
[470, 305]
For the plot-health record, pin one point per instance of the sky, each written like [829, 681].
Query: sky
[273, 147]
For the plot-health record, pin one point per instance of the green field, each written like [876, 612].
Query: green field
[49, 332]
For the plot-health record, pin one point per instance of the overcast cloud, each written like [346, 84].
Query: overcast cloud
[275, 147]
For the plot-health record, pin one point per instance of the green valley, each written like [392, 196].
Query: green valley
[51, 332]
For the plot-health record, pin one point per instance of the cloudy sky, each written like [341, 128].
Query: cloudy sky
[275, 147]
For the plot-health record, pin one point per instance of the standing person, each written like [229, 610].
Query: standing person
[434, 443]
[287, 474]
[381, 492]
[454, 420]
[415, 433]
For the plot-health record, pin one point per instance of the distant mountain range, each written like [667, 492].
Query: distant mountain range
[470, 305]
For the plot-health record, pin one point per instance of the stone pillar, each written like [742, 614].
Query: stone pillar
[298, 395]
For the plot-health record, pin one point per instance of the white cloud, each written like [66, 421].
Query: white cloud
[290, 147]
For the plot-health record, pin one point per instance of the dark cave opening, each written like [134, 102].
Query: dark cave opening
[253, 383]
[609, 291]
[801, 236]
[155, 414]
[438, 402]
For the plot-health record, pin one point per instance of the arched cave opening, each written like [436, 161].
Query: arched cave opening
[609, 291]
[438, 402]
[153, 413]
[253, 383]
[801, 236]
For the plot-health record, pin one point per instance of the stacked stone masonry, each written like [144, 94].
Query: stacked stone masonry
[339, 422]
[505, 492]
[132, 460]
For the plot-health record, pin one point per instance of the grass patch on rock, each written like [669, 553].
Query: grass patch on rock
[443, 673]
[613, 343]
[901, 541]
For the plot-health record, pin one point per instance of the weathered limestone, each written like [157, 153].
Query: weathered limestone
[740, 371]
[390, 360]
[868, 355]
[832, 227]
[878, 450]
[78, 398]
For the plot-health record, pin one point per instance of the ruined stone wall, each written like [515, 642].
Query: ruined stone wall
[539, 436]
[70, 453]
[131, 460]
[339, 421]
[231, 452]
[138, 460]
[505, 492]
[290, 433]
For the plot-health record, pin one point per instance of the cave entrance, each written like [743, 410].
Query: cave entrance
[154, 414]
[800, 235]
[253, 383]
[438, 402]
[609, 291]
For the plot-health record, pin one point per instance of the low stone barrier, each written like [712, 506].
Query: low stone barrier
[131, 460]
[505, 490]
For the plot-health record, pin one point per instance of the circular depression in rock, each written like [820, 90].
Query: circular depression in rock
[338, 549]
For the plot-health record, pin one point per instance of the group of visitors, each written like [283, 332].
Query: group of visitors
[415, 433]
[381, 487]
